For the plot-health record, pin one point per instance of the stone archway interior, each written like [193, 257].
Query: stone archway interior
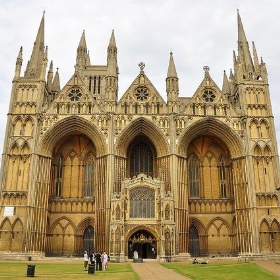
[144, 243]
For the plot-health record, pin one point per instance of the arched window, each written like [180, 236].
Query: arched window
[222, 174]
[141, 160]
[89, 176]
[88, 239]
[142, 203]
[194, 177]
[58, 181]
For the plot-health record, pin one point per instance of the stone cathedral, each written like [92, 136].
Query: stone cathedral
[87, 167]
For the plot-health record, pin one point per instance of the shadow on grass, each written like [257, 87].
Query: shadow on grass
[221, 271]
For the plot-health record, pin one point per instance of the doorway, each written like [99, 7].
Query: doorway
[194, 242]
[144, 243]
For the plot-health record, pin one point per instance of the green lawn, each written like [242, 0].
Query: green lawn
[221, 271]
[18, 270]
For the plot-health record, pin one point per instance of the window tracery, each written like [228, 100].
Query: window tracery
[142, 203]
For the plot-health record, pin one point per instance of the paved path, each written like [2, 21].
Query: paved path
[155, 271]
[271, 266]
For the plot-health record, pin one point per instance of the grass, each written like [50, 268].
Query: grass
[18, 270]
[221, 271]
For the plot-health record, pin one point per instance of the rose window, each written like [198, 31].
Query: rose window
[208, 96]
[75, 94]
[142, 93]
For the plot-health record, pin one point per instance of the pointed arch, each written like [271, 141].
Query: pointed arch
[142, 127]
[267, 150]
[68, 126]
[215, 127]
[254, 131]
[17, 126]
[28, 126]
[264, 129]
[257, 151]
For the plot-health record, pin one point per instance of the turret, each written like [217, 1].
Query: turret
[172, 81]
[18, 64]
[82, 59]
[50, 76]
[112, 70]
[226, 86]
[56, 83]
[38, 57]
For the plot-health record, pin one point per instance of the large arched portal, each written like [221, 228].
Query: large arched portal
[144, 243]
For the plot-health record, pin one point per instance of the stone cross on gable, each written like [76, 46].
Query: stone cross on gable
[141, 66]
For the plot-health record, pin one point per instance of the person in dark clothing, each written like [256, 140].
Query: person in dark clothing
[92, 258]
[98, 261]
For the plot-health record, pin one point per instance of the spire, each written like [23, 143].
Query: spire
[243, 47]
[226, 86]
[82, 58]
[256, 59]
[172, 81]
[56, 82]
[18, 63]
[34, 66]
[50, 76]
[112, 49]
[112, 63]
[112, 70]
[171, 73]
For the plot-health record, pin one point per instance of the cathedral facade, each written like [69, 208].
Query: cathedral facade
[190, 176]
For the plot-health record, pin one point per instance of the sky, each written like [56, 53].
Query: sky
[199, 33]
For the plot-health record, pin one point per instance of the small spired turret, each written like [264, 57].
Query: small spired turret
[82, 58]
[18, 64]
[172, 81]
[112, 71]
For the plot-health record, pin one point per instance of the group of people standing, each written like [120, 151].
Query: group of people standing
[100, 260]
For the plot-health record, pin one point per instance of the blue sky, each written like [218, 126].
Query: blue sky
[199, 33]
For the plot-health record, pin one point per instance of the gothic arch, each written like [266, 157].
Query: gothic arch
[56, 222]
[28, 126]
[254, 133]
[267, 150]
[68, 126]
[142, 127]
[257, 151]
[84, 224]
[224, 222]
[264, 129]
[141, 227]
[14, 149]
[211, 126]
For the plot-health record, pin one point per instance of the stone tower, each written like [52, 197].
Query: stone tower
[85, 167]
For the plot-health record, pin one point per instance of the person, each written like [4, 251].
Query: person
[195, 261]
[205, 261]
[98, 261]
[105, 260]
[92, 258]
[85, 260]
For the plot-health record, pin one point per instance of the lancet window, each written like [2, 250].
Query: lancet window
[222, 173]
[194, 177]
[89, 176]
[58, 183]
[141, 160]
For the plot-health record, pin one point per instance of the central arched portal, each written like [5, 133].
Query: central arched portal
[144, 243]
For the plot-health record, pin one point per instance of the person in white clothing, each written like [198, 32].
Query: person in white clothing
[105, 261]
[85, 260]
